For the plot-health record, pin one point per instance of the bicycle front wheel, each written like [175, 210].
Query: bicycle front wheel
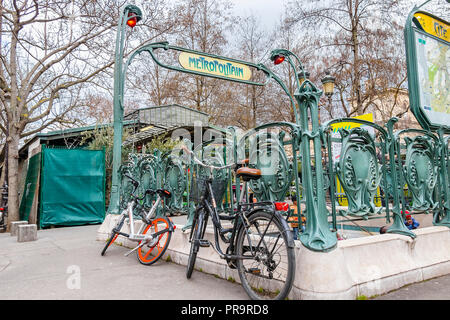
[267, 271]
[114, 234]
[155, 249]
[197, 232]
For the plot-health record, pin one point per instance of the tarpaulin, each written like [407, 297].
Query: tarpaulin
[72, 187]
[29, 192]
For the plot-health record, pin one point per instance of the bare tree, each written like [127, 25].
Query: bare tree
[148, 81]
[349, 44]
[203, 27]
[53, 49]
[252, 43]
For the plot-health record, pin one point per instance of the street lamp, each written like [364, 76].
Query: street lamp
[134, 15]
[328, 87]
[317, 235]
[328, 84]
[130, 16]
[303, 76]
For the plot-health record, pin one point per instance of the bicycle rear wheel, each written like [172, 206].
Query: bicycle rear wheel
[155, 249]
[197, 232]
[268, 272]
[114, 234]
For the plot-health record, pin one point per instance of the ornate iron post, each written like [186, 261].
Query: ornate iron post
[394, 154]
[129, 16]
[444, 175]
[317, 236]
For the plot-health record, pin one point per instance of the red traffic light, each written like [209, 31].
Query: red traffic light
[278, 59]
[132, 19]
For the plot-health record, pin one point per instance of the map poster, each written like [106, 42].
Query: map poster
[433, 63]
[427, 41]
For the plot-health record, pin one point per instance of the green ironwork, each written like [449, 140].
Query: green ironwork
[361, 168]
[395, 169]
[358, 168]
[119, 80]
[153, 47]
[317, 236]
[174, 181]
[420, 169]
[370, 160]
[266, 151]
[442, 217]
[358, 171]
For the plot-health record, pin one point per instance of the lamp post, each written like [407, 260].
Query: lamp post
[302, 76]
[328, 86]
[317, 236]
[130, 16]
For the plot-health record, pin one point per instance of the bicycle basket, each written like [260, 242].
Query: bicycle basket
[199, 185]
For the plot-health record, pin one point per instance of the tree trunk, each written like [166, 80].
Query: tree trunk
[13, 176]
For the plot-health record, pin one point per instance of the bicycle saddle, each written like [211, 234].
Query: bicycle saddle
[248, 173]
[164, 193]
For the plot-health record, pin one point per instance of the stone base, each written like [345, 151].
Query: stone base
[15, 225]
[366, 266]
[27, 232]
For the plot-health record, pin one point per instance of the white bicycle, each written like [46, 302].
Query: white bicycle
[153, 236]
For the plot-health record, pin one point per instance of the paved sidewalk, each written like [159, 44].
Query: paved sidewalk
[433, 289]
[65, 263]
[49, 267]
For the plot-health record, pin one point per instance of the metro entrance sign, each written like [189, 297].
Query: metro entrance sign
[427, 41]
[220, 67]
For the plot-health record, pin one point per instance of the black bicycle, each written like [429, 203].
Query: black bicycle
[260, 242]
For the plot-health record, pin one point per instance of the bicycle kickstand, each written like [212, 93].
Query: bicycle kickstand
[137, 247]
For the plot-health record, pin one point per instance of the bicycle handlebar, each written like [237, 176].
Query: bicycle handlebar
[148, 191]
[199, 162]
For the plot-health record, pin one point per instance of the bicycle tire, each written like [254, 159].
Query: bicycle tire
[146, 254]
[197, 232]
[270, 274]
[114, 234]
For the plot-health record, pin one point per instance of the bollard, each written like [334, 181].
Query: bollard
[15, 225]
[27, 232]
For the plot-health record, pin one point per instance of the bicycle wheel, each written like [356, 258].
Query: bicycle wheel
[155, 249]
[114, 234]
[197, 232]
[268, 272]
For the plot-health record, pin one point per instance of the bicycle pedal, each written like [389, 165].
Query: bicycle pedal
[254, 271]
[204, 243]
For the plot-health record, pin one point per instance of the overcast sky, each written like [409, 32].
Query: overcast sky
[268, 11]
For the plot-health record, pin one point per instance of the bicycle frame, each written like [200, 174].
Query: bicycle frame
[219, 230]
[139, 236]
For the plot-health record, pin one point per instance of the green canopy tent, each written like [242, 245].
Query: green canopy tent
[71, 186]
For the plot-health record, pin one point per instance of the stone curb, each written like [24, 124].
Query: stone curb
[366, 266]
